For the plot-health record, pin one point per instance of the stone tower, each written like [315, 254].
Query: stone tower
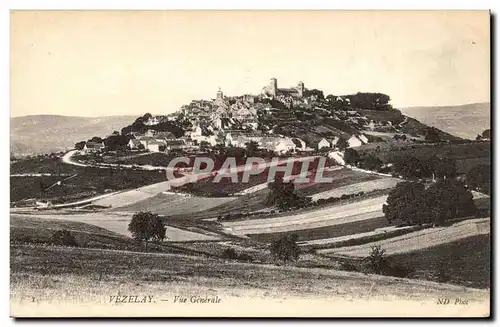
[220, 95]
[273, 87]
[300, 89]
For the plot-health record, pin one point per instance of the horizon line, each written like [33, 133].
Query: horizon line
[164, 114]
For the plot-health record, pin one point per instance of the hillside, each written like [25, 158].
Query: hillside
[82, 276]
[38, 134]
[465, 121]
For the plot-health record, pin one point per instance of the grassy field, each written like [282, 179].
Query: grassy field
[256, 201]
[341, 177]
[43, 272]
[225, 187]
[42, 164]
[380, 184]
[452, 151]
[394, 116]
[465, 262]
[174, 204]
[246, 203]
[356, 227]
[418, 240]
[29, 230]
[87, 182]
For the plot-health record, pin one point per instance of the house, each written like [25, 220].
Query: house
[150, 133]
[323, 143]
[93, 147]
[353, 141]
[179, 144]
[277, 144]
[145, 140]
[196, 131]
[363, 138]
[155, 146]
[212, 139]
[135, 144]
[284, 145]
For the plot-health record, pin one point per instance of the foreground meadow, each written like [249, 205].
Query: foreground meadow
[46, 277]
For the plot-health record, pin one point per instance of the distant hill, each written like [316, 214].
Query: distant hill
[50, 133]
[466, 121]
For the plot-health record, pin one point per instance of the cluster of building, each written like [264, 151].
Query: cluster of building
[351, 142]
[154, 141]
[233, 121]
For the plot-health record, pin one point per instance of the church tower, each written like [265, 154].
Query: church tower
[300, 89]
[273, 87]
[220, 95]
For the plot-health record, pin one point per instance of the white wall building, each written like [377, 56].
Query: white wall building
[323, 143]
[353, 142]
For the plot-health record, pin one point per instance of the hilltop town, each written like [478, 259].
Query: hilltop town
[281, 120]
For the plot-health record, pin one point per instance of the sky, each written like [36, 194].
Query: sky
[102, 63]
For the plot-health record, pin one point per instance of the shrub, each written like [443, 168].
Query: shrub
[377, 261]
[245, 257]
[285, 249]
[230, 253]
[63, 237]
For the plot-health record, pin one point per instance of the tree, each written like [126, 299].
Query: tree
[432, 135]
[285, 249]
[409, 167]
[370, 101]
[444, 168]
[116, 142]
[252, 146]
[372, 162]
[411, 203]
[342, 144]
[448, 199]
[80, 145]
[283, 195]
[351, 157]
[486, 134]
[63, 237]
[318, 93]
[406, 204]
[96, 139]
[146, 226]
[479, 178]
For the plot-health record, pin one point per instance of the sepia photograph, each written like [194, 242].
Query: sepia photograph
[250, 163]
